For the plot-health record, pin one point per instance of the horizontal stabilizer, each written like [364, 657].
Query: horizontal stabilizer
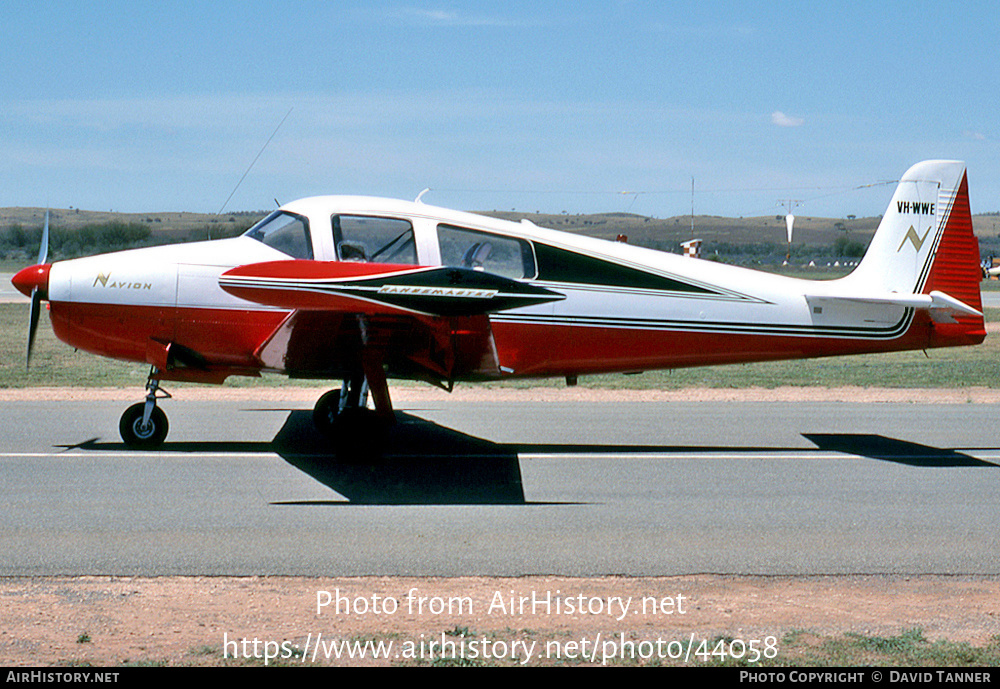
[941, 307]
[380, 288]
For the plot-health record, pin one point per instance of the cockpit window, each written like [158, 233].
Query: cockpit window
[286, 232]
[507, 256]
[374, 239]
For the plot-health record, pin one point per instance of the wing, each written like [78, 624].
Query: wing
[422, 322]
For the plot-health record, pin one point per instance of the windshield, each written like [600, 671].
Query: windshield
[286, 232]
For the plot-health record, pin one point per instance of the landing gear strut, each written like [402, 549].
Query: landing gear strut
[341, 409]
[343, 414]
[144, 426]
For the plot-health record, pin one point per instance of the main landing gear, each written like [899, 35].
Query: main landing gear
[341, 409]
[345, 411]
[144, 426]
[344, 417]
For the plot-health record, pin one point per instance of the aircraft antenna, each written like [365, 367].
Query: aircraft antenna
[255, 159]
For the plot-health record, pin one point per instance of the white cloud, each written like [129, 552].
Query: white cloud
[704, 32]
[977, 136]
[445, 18]
[782, 120]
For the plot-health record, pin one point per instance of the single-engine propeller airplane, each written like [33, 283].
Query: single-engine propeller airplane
[365, 289]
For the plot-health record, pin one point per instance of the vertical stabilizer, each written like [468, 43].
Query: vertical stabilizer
[910, 238]
[925, 244]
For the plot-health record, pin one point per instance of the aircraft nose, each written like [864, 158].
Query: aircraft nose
[31, 278]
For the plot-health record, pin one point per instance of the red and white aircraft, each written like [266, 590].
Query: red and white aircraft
[366, 289]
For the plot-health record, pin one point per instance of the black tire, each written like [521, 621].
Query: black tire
[325, 413]
[137, 437]
[356, 432]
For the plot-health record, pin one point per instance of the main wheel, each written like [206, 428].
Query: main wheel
[139, 436]
[326, 411]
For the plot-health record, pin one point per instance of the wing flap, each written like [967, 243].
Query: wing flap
[332, 344]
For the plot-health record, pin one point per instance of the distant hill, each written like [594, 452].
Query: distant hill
[640, 229]
[734, 237]
[667, 233]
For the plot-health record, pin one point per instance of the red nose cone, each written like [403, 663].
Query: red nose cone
[30, 278]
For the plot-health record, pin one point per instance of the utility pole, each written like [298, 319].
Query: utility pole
[692, 206]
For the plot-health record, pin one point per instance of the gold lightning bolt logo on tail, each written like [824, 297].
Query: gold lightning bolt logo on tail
[917, 241]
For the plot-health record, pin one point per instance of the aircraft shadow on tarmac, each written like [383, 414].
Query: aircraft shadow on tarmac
[893, 450]
[413, 462]
[418, 462]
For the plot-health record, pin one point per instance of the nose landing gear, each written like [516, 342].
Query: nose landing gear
[144, 426]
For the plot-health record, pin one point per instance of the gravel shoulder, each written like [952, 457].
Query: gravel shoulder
[405, 394]
[189, 620]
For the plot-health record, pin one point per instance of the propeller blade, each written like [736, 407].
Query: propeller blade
[36, 308]
[36, 295]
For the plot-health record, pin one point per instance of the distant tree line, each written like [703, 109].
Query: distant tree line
[21, 243]
[18, 240]
[768, 252]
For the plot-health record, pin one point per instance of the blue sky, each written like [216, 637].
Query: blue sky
[529, 106]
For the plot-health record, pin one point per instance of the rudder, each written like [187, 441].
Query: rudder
[955, 269]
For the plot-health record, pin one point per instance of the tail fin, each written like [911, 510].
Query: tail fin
[925, 239]
[925, 244]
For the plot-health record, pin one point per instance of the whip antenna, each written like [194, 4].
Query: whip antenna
[255, 159]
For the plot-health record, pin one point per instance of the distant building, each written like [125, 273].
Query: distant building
[692, 248]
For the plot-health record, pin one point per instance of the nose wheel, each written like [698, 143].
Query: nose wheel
[141, 434]
[144, 426]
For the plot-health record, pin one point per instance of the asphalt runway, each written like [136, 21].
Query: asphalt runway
[7, 292]
[243, 488]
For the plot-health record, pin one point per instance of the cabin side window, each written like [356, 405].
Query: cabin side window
[374, 239]
[285, 232]
[493, 253]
